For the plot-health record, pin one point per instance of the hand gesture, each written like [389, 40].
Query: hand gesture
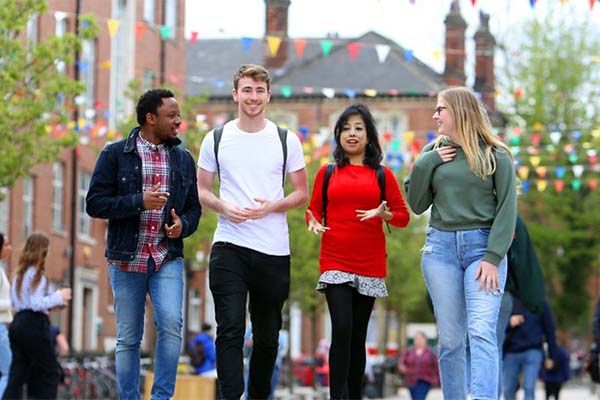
[487, 274]
[315, 226]
[364, 215]
[173, 231]
[153, 199]
[65, 293]
[516, 320]
[447, 153]
[264, 208]
[234, 213]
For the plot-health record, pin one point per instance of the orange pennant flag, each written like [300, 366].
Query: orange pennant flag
[300, 45]
[140, 28]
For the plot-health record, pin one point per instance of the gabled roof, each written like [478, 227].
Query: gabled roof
[212, 62]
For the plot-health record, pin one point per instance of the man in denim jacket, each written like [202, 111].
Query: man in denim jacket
[145, 185]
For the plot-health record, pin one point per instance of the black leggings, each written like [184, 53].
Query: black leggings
[350, 312]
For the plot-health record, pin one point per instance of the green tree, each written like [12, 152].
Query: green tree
[36, 95]
[554, 82]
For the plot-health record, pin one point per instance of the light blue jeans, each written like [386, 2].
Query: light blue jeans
[5, 357]
[165, 288]
[528, 362]
[449, 263]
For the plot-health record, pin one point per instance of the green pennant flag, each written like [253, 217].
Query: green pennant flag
[326, 46]
[165, 32]
[286, 91]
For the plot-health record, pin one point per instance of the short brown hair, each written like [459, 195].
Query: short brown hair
[253, 71]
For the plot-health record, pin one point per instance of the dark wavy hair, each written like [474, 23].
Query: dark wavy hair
[373, 153]
[149, 102]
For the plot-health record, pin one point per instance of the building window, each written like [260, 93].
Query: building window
[149, 10]
[84, 220]
[32, 29]
[87, 67]
[4, 210]
[171, 16]
[285, 120]
[27, 206]
[195, 302]
[62, 23]
[148, 82]
[58, 185]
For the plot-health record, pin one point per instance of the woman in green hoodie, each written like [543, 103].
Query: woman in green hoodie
[468, 179]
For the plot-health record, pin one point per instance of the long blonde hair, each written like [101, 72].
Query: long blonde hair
[473, 128]
[34, 254]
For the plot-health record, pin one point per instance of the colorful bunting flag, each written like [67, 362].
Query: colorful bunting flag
[140, 28]
[382, 52]
[247, 43]
[353, 50]
[113, 26]
[300, 45]
[326, 46]
[273, 42]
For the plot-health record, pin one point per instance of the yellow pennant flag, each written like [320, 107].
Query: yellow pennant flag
[106, 64]
[523, 172]
[541, 185]
[274, 42]
[113, 25]
[534, 160]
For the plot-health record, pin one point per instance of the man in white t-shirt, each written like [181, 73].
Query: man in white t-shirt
[250, 255]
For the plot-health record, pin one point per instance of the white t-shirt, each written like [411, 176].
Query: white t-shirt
[251, 167]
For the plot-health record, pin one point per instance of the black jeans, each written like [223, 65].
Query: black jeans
[34, 362]
[552, 389]
[235, 273]
[350, 312]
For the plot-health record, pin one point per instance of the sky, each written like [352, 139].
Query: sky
[418, 27]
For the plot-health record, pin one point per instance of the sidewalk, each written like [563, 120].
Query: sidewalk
[569, 392]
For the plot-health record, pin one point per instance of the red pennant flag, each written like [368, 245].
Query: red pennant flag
[536, 138]
[353, 50]
[300, 44]
[593, 183]
[194, 36]
[559, 185]
[473, 2]
[140, 28]
[592, 4]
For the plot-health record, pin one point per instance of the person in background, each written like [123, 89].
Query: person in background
[555, 373]
[468, 179]
[352, 261]
[524, 349]
[34, 362]
[420, 368]
[5, 315]
[204, 346]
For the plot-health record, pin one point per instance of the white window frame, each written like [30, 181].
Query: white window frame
[171, 16]
[88, 76]
[28, 199]
[33, 29]
[285, 119]
[150, 11]
[84, 222]
[58, 186]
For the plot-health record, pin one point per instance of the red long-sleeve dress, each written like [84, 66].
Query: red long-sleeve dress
[351, 245]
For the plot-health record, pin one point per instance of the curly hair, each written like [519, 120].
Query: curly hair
[33, 255]
[373, 152]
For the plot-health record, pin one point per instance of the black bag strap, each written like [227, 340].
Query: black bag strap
[281, 132]
[325, 199]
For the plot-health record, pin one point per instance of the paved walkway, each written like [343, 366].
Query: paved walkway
[570, 392]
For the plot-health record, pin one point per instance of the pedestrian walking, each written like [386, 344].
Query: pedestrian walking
[351, 200]
[5, 315]
[34, 364]
[419, 366]
[145, 186]
[250, 255]
[467, 178]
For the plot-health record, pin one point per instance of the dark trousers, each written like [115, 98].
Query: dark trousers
[34, 362]
[236, 273]
[419, 390]
[552, 389]
[350, 313]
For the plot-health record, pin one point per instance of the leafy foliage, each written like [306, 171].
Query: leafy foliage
[36, 95]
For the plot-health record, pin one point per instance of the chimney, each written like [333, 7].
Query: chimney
[484, 62]
[454, 72]
[276, 24]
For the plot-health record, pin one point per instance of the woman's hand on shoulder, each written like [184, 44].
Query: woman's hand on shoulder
[446, 153]
[315, 226]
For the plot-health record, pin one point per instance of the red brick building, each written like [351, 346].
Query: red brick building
[53, 194]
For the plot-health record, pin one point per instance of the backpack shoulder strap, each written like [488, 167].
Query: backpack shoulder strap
[325, 199]
[282, 132]
[217, 135]
[381, 182]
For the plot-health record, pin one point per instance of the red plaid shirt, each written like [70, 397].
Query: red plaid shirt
[152, 241]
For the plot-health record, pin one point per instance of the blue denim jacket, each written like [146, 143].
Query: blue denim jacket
[115, 194]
